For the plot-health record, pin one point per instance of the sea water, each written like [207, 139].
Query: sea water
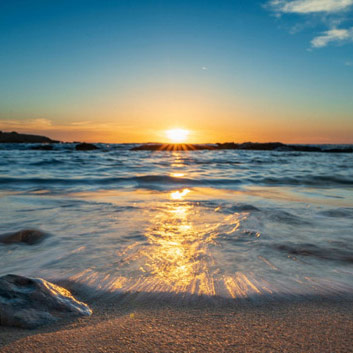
[233, 224]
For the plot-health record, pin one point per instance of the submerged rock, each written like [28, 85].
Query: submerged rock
[43, 148]
[86, 147]
[32, 302]
[312, 250]
[28, 236]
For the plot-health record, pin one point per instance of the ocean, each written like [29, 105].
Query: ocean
[229, 224]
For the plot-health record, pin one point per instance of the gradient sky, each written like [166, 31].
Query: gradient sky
[126, 71]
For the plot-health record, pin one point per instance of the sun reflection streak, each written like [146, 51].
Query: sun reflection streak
[179, 257]
[178, 195]
[180, 253]
[177, 175]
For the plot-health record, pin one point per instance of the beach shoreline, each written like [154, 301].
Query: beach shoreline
[132, 324]
[241, 251]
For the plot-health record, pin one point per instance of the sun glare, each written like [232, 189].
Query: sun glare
[179, 195]
[177, 135]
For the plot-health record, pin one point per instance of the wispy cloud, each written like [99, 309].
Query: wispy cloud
[329, 12]
[48, 125]
[310, 6]
[28, 124]
[73, 130]
[332, 35]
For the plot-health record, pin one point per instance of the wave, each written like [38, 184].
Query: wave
[338, 213]
[312, 180]
[47, 162]
[156, 181]
[319, 252]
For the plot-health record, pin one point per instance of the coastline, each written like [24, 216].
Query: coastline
[314, 324]
[105, 216]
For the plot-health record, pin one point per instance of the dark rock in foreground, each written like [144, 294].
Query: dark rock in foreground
[14, 137]
[32, 302]
[86, 147]
[247, 146]
[28, 236]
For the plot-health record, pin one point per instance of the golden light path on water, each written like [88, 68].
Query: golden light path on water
[179, 257]
[198, 240]
[181, 252]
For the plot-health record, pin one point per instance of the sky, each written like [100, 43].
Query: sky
[227, 70]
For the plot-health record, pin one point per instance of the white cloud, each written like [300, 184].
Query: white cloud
[310, 6]
[332, 35]
[332, 13]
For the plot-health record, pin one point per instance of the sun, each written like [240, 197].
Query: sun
[177, 135]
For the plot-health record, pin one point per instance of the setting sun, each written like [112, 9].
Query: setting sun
[177, 135]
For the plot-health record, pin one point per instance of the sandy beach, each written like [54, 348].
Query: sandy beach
[130, 325]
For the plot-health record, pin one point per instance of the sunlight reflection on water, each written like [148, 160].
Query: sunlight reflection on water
[179, 257]
[202, 239]
[178, 253]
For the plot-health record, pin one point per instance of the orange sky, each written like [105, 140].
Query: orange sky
[127, 71]
[209, 131]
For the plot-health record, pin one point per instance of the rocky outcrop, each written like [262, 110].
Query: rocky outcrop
[251, 146]
[14, 137]
[43, 148]
[86, 147]
[32, 302]
[173, 147]
[247, 146]
[27, 236]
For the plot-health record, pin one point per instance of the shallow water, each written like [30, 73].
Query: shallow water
[228, 223]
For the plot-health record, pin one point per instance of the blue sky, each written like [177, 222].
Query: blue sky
[227, 70]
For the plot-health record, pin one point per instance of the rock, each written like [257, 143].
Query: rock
[228, 146]
[256, 146]
[173, 147]
[339, 150]
[312, 250]
[33, 302]
[86, 147]
[247, 146]
[43, 148]
[305, 148]
[251, 146]
[284, 149]
[148, 147]
[28, 236]
[14, 137]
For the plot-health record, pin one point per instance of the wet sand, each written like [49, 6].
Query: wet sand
[310, 325]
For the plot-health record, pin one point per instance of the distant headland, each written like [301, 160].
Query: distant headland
[14, 137]
[45, 143]
[249, 146]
